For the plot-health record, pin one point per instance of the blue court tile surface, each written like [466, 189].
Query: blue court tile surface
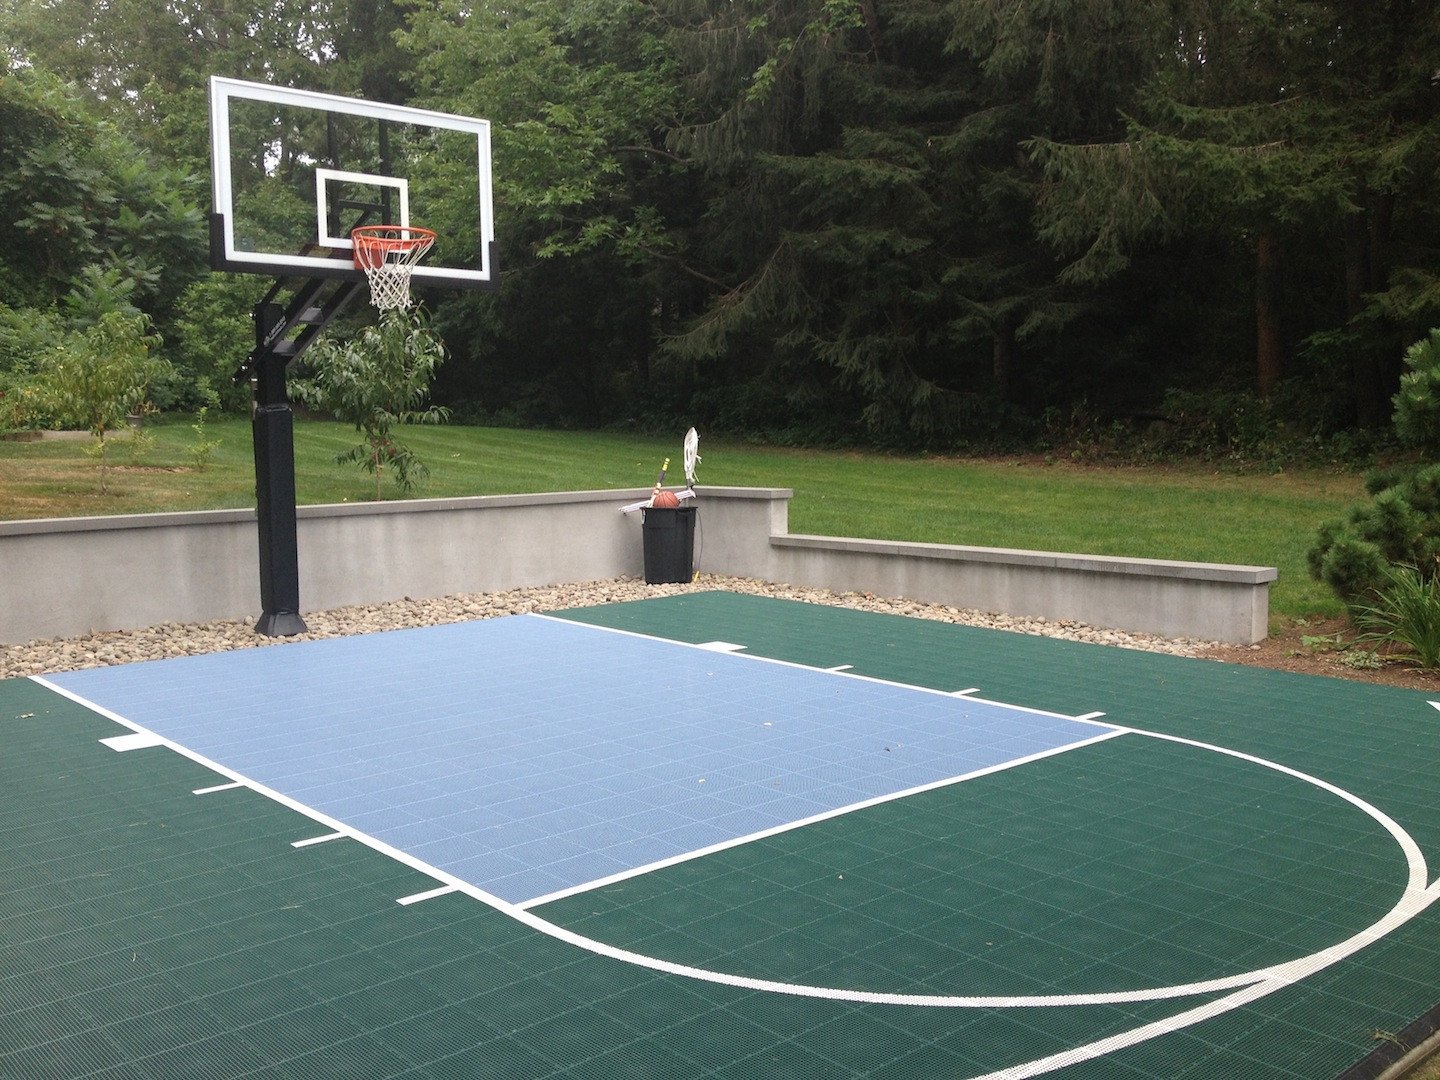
[530, 756]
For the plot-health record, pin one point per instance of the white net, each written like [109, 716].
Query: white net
[387, 254]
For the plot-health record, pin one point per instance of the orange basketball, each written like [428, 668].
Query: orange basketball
[665, 499]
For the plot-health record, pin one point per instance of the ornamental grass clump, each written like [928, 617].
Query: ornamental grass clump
[1405, 612]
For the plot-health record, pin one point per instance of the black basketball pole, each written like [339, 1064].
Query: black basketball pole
[281, 335]
[274, 430]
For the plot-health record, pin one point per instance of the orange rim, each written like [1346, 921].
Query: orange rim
[373, 243]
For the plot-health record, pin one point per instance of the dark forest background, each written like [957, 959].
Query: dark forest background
[1192, 226]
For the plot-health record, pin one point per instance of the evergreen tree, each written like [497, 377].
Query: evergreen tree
[1065, 71]
[578, 96]
[1400, 527]
[1293, 134]
[824, 136]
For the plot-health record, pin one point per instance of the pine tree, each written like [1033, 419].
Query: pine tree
[871, 211]
[1292, 132]
[1400, 526]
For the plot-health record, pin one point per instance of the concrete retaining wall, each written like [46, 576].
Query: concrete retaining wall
[1208, 601]
[71, 576]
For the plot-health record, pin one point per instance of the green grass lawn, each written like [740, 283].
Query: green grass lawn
[1189, 513]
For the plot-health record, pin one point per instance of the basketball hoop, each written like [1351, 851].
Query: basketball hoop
[387, 254]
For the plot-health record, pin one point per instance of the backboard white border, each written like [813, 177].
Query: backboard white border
[224, 90]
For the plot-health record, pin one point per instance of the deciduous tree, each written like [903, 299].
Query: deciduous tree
[378, 380]
[98, 376]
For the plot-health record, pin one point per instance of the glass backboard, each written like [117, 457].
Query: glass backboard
[294, 171]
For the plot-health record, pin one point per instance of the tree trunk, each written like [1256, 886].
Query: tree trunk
[1367, 392]
[1002, 355]
[1357, 264]
[1391, 364]
[1268, 347]
[872, 25]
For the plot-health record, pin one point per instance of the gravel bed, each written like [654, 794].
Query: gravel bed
[189, 639]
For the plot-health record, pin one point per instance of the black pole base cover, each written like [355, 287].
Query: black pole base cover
[669, 535]
[280, 624]
[275, 515]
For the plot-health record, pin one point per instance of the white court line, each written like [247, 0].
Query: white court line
[452, 883]
[1089, 1051]
[1414, 899]
[1246, 987]
[218, 787]
[319, 839]
[137, 740]
[756, 658]
[966, 692]
[1254, 992]
[430, 894]
[776, 830]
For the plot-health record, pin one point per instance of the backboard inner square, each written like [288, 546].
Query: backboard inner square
[335, 188]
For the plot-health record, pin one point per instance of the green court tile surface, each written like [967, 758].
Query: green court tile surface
[1038, 880]
[1282, 865]
[1378, 742]
[146, 931]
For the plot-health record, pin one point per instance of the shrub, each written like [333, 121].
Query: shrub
[1417, 405]
[202, 447]
[99, 376]
[1401, 525]
[27, 334]
[1294, 423]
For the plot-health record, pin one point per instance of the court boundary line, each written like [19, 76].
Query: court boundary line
[1244, 988]
[840, 671]
[814, 819]
[1414, 897]
[1286, 973]
[341, 829]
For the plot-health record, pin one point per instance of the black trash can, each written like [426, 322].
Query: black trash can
[669, 533]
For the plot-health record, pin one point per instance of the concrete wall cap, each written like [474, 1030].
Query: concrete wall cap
[1099, 564]
[619, 496]
[170, 518]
